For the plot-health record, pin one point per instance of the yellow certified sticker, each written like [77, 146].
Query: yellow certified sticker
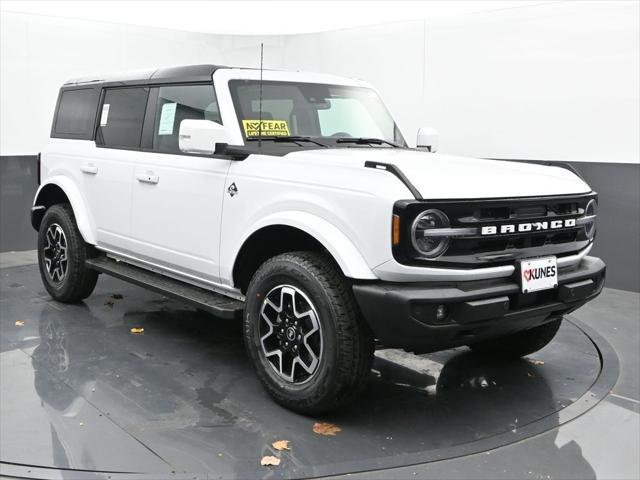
[270, 128]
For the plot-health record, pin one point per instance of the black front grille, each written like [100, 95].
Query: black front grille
[477, 250]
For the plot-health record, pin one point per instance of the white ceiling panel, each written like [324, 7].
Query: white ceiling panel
[275, 17]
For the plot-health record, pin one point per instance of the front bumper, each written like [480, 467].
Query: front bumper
[404, 314]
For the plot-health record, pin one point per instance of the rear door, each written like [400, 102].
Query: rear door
[108, 173]
[177, 198]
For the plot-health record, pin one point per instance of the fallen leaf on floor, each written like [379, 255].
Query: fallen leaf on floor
[269, 460]
[535, 362]
[281, 445]
[109, 303]
[19, 323]
[137, 331]
[117, 296]
[322, 428]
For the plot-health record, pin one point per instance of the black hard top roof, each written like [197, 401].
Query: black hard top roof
[183, 74]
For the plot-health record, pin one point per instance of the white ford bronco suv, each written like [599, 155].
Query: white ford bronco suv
[291, 200]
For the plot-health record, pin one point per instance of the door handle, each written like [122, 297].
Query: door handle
[147, 178]
[90, 169]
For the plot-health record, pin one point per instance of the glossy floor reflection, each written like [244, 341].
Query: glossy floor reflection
[79, 391]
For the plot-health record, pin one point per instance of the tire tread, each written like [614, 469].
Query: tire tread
[80, 281]
[354, 339]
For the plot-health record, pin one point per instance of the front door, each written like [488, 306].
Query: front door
[177, 198]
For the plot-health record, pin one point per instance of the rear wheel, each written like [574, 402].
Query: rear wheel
[61, 256]
[521, 343]
[303, 331]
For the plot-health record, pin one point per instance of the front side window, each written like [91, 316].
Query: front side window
[328, 113]
[177, 103]
[121, 117]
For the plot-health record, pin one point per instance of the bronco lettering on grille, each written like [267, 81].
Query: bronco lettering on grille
[528, 227]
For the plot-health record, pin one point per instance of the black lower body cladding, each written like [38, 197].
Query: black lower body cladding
[427, 317]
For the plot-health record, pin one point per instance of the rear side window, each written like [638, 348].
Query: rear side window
[76, 114]
[121, 117]
[181, 102]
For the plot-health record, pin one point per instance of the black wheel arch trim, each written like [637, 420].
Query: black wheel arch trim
[48, 195]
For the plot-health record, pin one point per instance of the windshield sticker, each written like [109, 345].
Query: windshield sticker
[105, 115]
[167, 116]
[270, 128]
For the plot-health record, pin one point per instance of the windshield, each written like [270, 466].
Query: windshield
[326, 113]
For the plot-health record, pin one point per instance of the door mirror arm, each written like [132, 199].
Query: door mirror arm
[232, 152]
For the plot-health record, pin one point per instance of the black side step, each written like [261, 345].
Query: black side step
[213, 302]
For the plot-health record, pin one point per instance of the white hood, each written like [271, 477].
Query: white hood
[439, 176]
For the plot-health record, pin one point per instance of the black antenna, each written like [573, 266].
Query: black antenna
[260, 111]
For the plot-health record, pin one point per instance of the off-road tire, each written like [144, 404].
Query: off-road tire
[519, 344]
[348, 345]
[79, 281]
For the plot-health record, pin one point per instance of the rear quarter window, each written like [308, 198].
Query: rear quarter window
[76, 114]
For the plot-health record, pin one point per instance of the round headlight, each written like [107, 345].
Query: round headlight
[426, 241]
[590, 225]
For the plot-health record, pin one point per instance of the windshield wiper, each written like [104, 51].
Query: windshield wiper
[289, 138]
[367, 141]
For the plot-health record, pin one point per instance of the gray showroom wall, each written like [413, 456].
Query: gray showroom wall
[618, 236]
[18, 184]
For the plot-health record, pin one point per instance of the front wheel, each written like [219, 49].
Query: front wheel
[302, 328]
[521, 343]
[61, 256]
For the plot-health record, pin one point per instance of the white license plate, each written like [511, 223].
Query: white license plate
[538, 274]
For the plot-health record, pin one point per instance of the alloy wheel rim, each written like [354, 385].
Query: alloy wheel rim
[290, 334]
[55, 253]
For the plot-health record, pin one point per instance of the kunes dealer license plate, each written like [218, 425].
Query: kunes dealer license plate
[538, 274]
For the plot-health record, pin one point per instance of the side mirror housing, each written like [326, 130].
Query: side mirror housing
[427, 139]
[201, 136]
